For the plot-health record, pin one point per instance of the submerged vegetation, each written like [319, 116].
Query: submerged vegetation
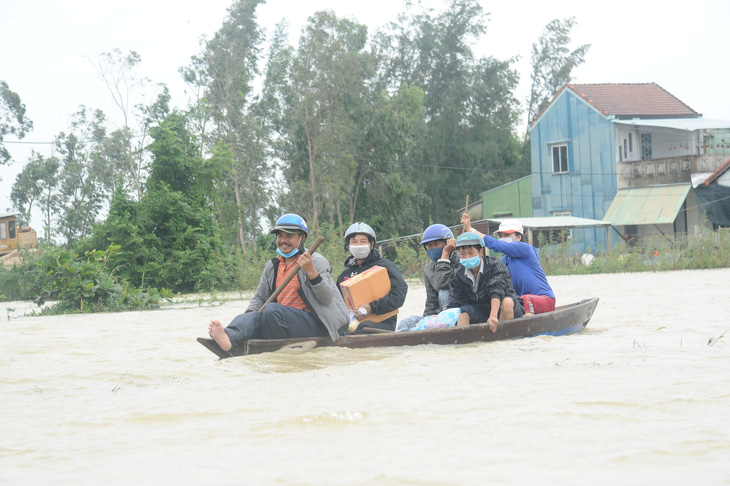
[707, 249]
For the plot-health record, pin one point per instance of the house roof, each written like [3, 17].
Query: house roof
[556, 222]
[628, 100]
[647, 205]
[715, 175]
[516, 181]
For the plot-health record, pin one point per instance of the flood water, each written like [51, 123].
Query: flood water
[640, 397]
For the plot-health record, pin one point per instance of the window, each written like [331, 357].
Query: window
[560, 158]
[626, 149]
[11, 229]
[645, 146]
[631, 143]
[3, 231]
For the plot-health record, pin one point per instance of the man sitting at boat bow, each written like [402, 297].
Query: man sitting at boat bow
[309, 306]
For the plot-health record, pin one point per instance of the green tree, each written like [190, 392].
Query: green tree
[82, 185]
[226, 69]
[13, 119]
[327, 108]
[37, 182]
[470, 107]
[128, 158]
[552, 64]
[169, 238]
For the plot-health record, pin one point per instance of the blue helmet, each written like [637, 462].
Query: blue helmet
[436, 232]
[469, 239]
[291, 223]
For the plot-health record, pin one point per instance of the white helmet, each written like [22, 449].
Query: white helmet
[358, 229]
[509, 226]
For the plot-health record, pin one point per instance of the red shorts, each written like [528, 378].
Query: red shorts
[538, 304]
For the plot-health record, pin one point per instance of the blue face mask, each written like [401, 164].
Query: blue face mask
[288, 255]
[291, 253]
[435, 253]
[470, 263]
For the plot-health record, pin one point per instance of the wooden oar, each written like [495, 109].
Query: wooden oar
[466, 205]
[291, 274]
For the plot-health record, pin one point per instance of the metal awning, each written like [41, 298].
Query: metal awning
[555, 222]
[647, 205]
[687, 124]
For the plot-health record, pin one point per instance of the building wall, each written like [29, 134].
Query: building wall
[589, 187]
[513, 199]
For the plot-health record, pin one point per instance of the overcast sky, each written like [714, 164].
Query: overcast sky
[48, 48]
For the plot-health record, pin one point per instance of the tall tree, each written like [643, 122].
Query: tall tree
[84, 180]
[37, 182]
[13, 119]
[227, 68]
[552, 64]
[327, 101]
[469, 102]
[127, 90]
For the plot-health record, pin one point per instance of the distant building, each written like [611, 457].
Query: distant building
[511, 200]
[635, 143]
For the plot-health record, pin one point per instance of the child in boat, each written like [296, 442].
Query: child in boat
[523, 262]
[482, 289]
[309, 305]
[360, 242]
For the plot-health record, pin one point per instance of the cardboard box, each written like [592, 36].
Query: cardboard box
[370, 285]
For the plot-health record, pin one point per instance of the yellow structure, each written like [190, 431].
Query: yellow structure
[12, 237]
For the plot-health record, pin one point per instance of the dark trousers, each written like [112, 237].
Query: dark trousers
[479, 315]
[276, 322]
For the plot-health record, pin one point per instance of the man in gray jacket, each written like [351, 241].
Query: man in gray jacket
[443, 260]
[309, 306]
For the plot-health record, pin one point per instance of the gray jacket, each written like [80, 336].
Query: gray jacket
[320, 295]
[438, 276]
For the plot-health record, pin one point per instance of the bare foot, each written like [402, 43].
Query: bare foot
[218, 333]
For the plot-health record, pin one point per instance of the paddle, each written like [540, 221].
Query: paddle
[291, 274]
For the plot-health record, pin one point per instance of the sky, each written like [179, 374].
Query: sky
[48, 48]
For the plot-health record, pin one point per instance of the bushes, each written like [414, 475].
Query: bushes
[89, 285]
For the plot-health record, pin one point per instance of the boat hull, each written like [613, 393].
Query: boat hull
[567, 319]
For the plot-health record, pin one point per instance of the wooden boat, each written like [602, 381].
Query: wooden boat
[565, 319]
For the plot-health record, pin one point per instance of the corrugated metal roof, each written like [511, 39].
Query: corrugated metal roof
[556, 222]
[647, 205]
[7, 215]
[641, 100]
[688, 124]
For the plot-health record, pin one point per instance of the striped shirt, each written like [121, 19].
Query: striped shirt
[290, 295]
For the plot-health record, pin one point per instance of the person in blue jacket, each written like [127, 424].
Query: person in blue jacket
[523, 262]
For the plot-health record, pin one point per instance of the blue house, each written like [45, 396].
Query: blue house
[594, 140]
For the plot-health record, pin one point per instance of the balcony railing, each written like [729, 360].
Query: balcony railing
[670, 170]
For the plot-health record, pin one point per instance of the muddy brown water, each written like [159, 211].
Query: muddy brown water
[640, 397]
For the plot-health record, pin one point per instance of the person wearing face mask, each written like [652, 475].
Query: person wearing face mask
[309, 306]
[360, 242]
[443, 259]
[523, 261]
[482, 289]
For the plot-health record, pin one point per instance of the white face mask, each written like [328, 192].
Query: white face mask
[360, 252]
[508, 239]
